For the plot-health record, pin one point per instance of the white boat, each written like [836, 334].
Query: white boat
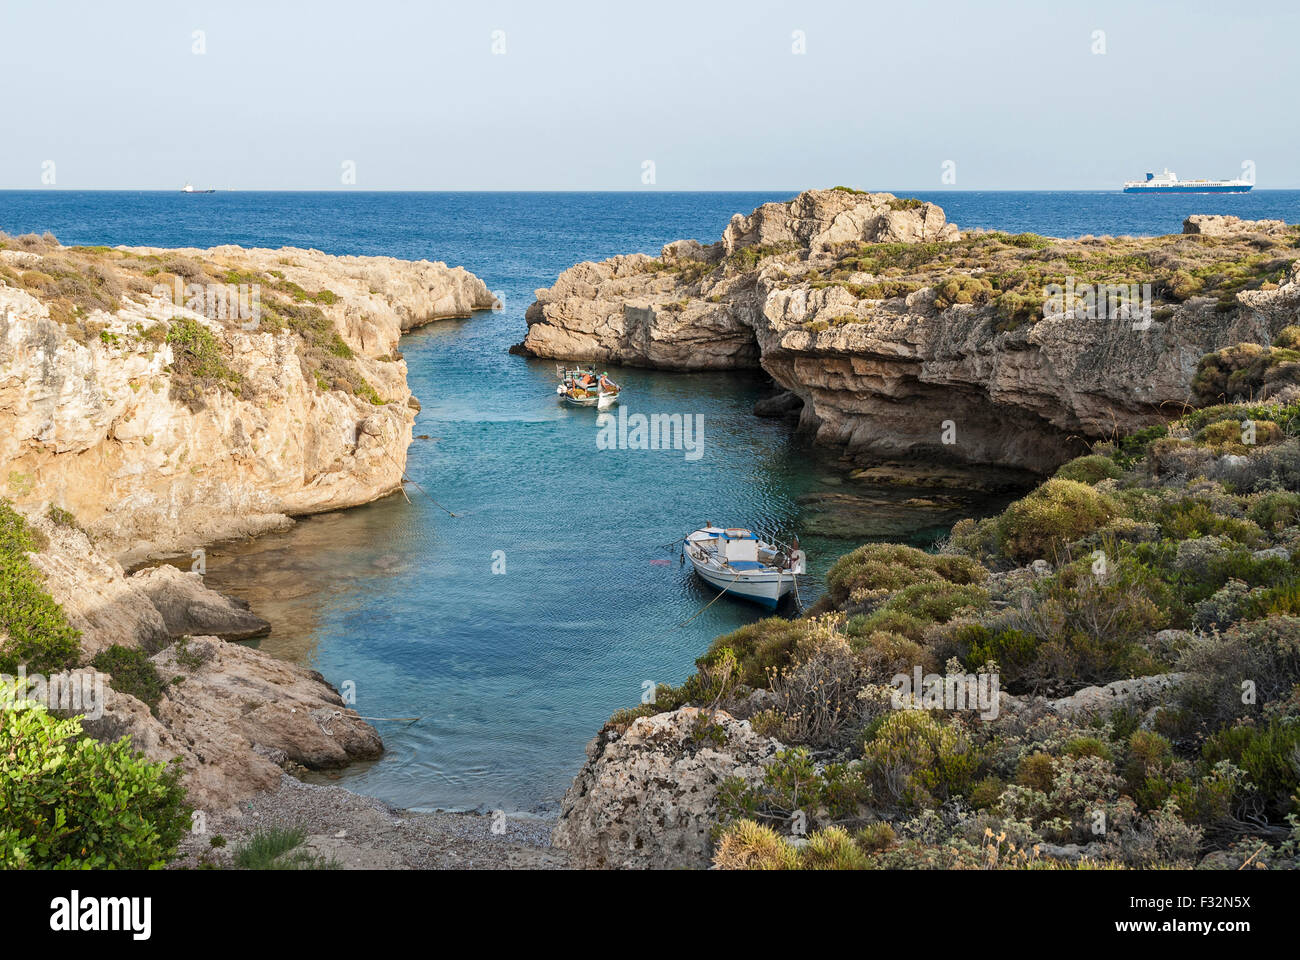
[735, 561]
[1168, 182]
[190, 188]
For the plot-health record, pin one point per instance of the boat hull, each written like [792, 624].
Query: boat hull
[765, 589]
[1187, 188]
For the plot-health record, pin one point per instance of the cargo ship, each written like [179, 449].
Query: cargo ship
[1168, 182]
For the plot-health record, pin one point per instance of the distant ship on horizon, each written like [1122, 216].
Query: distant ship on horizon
[1168, 182]
[189, 188]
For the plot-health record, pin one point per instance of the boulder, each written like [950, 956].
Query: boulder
[1140, 693]
[189, 608]
[98, 598]
[235, 718]
[647, 797]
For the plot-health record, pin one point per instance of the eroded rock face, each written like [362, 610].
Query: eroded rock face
[646, 798]
[98, 426]
[883, 374]
[189, 608]
[235, 718]
[233, 715]
[97, 597]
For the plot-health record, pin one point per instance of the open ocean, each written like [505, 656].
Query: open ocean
[510, 674]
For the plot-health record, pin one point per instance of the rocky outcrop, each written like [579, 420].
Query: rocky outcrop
[822, 220]
[1139, 693]
[1216, 225]
[236, 719]
[96, 595]
[647, 796]
[234, 716]
[189, 608]
[885, 366]
[163, 426]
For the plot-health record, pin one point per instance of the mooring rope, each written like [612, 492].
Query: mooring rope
[407, 478]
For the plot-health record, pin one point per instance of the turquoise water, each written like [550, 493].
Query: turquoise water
[511, 673]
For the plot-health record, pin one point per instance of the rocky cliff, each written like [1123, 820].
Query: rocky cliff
[904, 338]
[169, 398]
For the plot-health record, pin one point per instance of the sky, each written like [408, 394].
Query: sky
[663, 95]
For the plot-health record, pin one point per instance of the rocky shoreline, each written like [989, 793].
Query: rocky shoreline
[140, 421]
[883, 323]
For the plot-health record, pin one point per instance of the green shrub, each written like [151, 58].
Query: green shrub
[879, 568]
[1051, 517]
[1037, 771]
[197, 351]
[918, 761]
[132, 672]
[758, 647]
[1090, 469]
[39, 634]
[1267, 755]
[910, 610]
[1275, 510]
[1149, 758]
[70, 802]
[1012, 650]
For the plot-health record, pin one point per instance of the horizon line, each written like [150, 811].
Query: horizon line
[344, 190]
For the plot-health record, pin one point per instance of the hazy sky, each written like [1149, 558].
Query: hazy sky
[585, 94]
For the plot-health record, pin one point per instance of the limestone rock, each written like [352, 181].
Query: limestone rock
[1214, 225]
[189, 608]
[646, 798]
[881, 385]
[783, 404]
[99, 425]
[1138, 693]
[96, 595]
[229, 713]
[822, 219]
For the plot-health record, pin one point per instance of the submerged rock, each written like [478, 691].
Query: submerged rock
[783, 404]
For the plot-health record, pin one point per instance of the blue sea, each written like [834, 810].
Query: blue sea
[491, 644]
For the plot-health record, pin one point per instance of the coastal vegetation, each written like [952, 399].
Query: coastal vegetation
[73, 803]
[79, 285]
[1167, 561]
[1008, 274]
[33, 628]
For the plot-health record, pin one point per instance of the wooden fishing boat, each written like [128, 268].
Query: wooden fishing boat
[735, 561]
[586, 388]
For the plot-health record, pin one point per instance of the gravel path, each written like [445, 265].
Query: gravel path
[362, 833]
